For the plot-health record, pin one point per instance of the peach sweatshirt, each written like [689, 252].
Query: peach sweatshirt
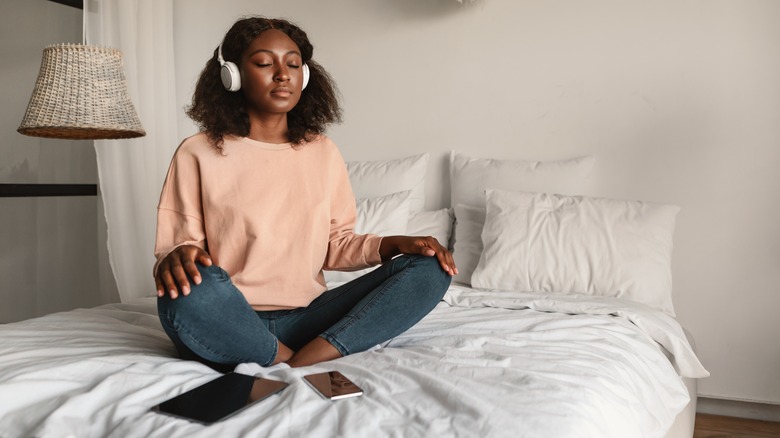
[271, 215]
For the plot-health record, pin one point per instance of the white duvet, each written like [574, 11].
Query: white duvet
[481, 364]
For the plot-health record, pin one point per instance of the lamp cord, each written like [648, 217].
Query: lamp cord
[84, 23]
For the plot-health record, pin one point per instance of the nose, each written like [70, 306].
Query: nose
[282, 73]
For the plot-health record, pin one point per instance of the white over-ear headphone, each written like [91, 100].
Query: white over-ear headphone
[231, 77]
[305, 82]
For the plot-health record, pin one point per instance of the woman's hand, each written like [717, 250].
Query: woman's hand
[391, 246]
[177, 266]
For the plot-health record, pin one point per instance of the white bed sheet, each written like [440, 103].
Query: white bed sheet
[481, 364]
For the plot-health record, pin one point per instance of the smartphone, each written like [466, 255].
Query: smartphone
[333, 385]
[220, 398]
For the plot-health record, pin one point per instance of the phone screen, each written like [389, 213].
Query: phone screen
[333, 385]
[220, 398]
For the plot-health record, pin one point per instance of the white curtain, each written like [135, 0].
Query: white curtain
[131, 172]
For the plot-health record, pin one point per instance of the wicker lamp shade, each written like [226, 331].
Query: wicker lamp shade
[81, 93]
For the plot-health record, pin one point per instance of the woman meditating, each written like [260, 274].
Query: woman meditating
[258, 203]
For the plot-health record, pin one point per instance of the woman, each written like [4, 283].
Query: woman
[259, 203]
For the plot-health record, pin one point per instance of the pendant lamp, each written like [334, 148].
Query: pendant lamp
[81, 93]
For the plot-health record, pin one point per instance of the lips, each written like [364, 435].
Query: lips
[281, 92]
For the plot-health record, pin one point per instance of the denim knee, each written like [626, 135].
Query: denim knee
[415, 285]
[215, 322]
[433, 280]
[199, 297]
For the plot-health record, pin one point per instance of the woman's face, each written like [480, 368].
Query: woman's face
[271, 73]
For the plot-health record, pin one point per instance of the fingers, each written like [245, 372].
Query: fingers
[164, 280]
[429, 246]
[447, 261]
[180, 275]
[204, 258]
[177, 267]
[192, 270]
[159, 285]
[427, 251]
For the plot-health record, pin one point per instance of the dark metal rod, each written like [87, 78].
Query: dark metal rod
[36, 190]
[75, 3]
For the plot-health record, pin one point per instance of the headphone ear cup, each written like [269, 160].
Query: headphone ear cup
[305, 76]
[231, 77]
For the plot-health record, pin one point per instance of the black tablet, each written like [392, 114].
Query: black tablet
[220, 398]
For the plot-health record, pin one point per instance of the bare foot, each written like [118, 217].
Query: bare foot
[283, 353]
[316, 351]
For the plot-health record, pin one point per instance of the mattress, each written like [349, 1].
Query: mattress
[481, 364]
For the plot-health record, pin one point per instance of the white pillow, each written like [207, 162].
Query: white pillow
[371, 179]
[467, 237]
[536, 242]
[469, 177]
[436, 223]
[384, 216]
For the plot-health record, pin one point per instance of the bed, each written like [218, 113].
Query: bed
[515, 348]
[481, 364]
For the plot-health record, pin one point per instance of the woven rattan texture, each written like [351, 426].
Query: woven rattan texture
[81, 93]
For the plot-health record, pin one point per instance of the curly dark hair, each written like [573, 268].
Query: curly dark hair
[220, 112]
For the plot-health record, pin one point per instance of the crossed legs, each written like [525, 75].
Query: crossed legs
[215, 325]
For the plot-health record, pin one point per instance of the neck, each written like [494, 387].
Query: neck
[268, 128]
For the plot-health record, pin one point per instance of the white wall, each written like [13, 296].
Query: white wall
[49, 252]
[679, 100]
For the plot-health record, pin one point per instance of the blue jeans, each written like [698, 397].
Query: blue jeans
[215, 325]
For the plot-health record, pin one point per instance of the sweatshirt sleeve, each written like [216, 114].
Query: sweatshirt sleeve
[347, 251]
[180, 211]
